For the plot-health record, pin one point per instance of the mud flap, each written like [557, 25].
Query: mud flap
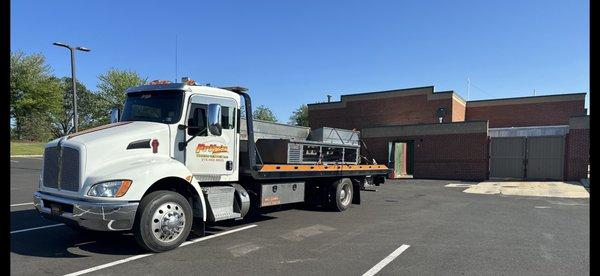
[198, 227]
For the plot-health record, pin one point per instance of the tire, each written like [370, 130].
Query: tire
[342, 193]
[163, 221]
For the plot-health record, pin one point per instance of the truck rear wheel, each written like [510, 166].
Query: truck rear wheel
[342, 194]
[163, 222]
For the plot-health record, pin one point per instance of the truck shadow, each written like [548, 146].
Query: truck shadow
[63, 242]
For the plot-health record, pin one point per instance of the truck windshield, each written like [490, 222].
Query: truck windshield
[155, 106]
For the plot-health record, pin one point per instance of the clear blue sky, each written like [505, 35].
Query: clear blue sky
[294, 52]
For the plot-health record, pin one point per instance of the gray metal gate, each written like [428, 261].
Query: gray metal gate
[545, 157]
[540, 158]
[507, 157]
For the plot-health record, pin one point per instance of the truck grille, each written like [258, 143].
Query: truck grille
[67, 167]
[51, 167]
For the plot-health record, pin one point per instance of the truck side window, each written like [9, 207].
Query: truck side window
[197, 118]
[227, 117]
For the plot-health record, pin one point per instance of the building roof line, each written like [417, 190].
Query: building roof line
[426, 124]
[377, 92]
[528, 97]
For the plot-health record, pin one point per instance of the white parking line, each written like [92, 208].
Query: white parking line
[36, 228]
[133, 258]
[21, 204]
[386, 261]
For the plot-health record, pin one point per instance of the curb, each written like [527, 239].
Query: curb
[26, 156]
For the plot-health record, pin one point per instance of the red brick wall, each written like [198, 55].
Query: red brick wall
[577, 154]
[531, 114]
[445, 156]
[404, 110]
[458, 111]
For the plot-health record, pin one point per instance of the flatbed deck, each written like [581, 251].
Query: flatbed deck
[289, 171]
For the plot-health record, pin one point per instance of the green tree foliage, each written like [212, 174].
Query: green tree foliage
[35, 95]
[263, 113]
[300, 116]
[243, 111]
[42, 105]
[90, 108]
[113, 84]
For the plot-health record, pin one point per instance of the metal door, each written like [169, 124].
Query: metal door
[400, 159]
[507, 157]
[208, 154]
[545, 157]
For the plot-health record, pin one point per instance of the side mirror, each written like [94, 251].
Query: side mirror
[214, 119]
[115, 115]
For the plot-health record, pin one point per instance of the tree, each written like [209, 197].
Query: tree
[264, 113]
[113, 84]
[34, 93]
[90, 108]
[243, 111]
[300, 116]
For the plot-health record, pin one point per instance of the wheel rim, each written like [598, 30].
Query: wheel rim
[345, 194]
[168, 222]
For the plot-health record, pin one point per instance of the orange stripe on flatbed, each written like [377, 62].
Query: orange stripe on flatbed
[291, 168]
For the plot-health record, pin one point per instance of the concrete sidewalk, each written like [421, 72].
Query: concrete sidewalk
[527, 188]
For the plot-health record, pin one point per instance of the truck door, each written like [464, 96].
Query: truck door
[209, 156]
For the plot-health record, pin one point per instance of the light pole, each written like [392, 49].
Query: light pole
[73, 80]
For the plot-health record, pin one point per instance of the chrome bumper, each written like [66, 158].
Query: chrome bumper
[100, 216]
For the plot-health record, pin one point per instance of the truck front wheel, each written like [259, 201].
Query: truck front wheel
[342, 194]
[163, 222]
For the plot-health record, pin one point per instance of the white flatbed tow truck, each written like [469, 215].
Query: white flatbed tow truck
[174, 160]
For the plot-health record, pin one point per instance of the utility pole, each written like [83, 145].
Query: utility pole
[73, 80]
[328, 98]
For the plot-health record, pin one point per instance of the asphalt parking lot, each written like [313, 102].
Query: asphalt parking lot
[406, 227]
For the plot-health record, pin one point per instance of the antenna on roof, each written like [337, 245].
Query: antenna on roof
[468, 88]
[175, 58]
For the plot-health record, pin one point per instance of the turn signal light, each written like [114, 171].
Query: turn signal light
[124, 187]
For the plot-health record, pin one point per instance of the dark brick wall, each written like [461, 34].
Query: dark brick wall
[402, 110]
[419, 109]
[577, 154]
[531, 114]
[445, 156]
[455, 156]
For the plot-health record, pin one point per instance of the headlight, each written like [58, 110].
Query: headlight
[115, 188]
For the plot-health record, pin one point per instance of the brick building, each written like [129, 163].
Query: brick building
[430, 134]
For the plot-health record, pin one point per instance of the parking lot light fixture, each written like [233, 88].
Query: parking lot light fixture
[73, 80]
